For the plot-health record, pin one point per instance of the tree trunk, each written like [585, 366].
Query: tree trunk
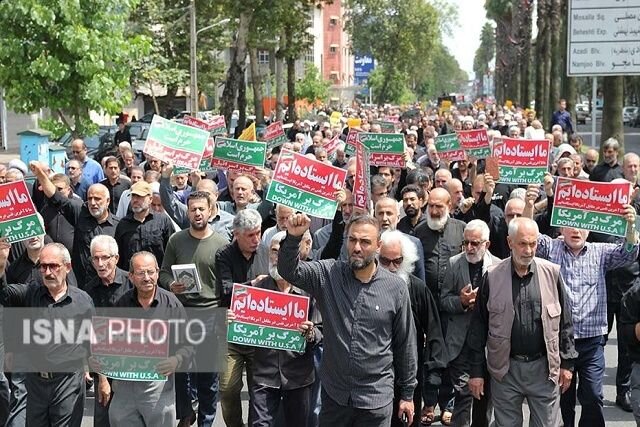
[242, 104]
[256, 84]
[547, 59]
[155, 100]
[613, 89]
[541, 47]
[556, 58]
[291, 89]
[279, 87]
[235, 74]
[525, 63]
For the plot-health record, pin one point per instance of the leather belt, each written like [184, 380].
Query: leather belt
[527, 357]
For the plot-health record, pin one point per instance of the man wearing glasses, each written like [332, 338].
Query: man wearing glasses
[79, 183]
[91, 170]
[459, 291]
[105, 290]
[55, 386]
[399, 256]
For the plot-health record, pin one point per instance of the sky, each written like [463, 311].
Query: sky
[466, 35]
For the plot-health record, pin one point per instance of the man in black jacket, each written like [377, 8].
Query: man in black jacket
[398, 255]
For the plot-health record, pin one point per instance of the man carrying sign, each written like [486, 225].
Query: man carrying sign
[380, 340]
[278, 374]
[583, 266]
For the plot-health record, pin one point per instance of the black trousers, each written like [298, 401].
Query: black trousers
[332, 414]
[480, 416]
[56, 402]
[265, 401]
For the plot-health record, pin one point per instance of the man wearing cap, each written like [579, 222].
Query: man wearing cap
[141, 229]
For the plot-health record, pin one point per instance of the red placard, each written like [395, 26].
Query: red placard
[15, 201]
[522, 152]
[310, 175]
[362, 178]
[268, 308]
[604, 197]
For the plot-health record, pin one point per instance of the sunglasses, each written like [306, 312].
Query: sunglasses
[386, 261]
[473, 243]
[53, 267]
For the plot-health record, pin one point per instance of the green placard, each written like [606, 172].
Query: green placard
[521, 175]
[301, 200]
[265, 337]
[130, 368]
[592, 221]
[22, 228]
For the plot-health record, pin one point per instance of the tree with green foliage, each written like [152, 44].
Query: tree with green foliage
[440, 74]
[485, 53]
[400, 35]
[68, 56]
[312, 86]
[167, 63]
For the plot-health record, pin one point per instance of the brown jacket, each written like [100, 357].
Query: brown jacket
[501, 315]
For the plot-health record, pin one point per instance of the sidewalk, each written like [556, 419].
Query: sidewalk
[7, 155]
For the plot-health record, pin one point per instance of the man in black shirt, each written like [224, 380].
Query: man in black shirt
[89, 220]
[122, 134]
[142, 230]
[630, 327]
[56, 397]
[152, 403]
[115, 183]
[609, 169]
[105, 290]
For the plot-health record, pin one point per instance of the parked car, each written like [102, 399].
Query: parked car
[582, 112]
[98, 145]
[629, 115]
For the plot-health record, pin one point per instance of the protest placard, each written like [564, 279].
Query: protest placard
[249, 134]
[332, 146]
[238, 155]
[387, 127]
[362, 178]
[522, 161]
[123, 358]
[274, 135]
[218, 125]
[265, 318]
[175, 142]
[448, 147]
[210, 126]
[386, 149]
[589, 205]
[18, 218]
[306, 185]
[475, 143]
[350, 142]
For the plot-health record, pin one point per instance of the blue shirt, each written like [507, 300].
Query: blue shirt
[80, 189]
[562, 118]
[584, 281]
[92, 171]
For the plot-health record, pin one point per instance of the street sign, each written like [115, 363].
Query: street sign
[363, 65]
[603, 38]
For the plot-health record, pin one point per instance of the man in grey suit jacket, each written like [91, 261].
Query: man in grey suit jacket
[459, 290]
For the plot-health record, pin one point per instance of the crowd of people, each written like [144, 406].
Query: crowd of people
[450, 299]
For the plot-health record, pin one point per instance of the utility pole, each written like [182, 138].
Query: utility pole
[193, 87]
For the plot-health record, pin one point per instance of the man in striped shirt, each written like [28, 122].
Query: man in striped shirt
[370, 336]
[583, 266]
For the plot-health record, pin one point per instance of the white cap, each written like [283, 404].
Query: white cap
[18, 164]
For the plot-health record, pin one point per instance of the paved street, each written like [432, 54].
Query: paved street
[615, 417]
[631, 136]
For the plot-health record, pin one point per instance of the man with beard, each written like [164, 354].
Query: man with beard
[197, 245]
[141, 229]
[283, 376]
[89, 220]
[386, 212]
[609, 169]
[413, 200]
[377, 344]
[398, 255]
[441, 238]
[459, 291]
[523, 319]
